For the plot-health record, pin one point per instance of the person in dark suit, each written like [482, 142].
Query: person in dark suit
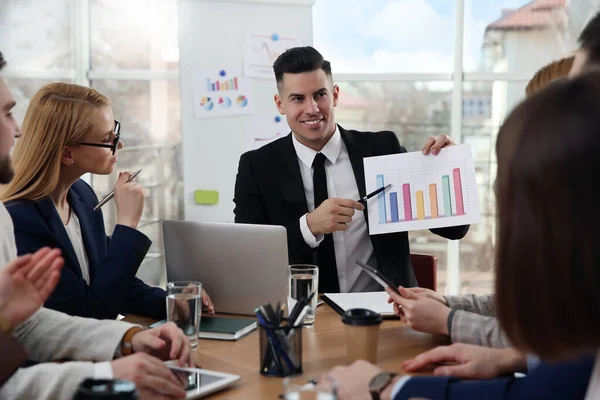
[547, 245]
[69, 130]
[309, 182]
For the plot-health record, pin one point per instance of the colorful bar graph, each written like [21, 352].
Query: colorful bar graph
[420, 205]
[381, 200]
[460, 206]
[222, 86]
[433, 200]
[407, 205]
[447, 197]
[394, 206]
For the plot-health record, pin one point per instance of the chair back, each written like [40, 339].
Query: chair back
[425, 269]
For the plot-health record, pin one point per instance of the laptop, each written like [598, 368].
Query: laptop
[241, 266]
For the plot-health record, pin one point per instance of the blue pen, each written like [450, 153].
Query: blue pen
[261, 321]
[278, 347]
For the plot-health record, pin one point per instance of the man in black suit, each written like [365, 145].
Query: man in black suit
[308, 182]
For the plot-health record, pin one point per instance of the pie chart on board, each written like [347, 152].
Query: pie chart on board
[207, 103]
[225, 102]
[242, 101]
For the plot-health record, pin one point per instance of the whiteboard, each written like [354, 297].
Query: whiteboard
[211, 37]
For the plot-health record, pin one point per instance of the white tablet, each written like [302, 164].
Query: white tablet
[201, 382]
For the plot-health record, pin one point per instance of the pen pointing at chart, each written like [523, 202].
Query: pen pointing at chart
[373, 193]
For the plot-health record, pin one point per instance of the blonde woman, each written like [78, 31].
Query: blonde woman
[70, 130]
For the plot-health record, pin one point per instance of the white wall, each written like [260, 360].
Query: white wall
[211, 36]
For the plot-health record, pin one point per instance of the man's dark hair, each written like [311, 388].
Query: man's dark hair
[589, 40]
[2, 61]
[299, 59]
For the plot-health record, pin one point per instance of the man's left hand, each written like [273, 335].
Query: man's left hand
[166, 342]
[353, 381]
[434, 144]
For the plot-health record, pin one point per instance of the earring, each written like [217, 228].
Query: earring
[72, 162]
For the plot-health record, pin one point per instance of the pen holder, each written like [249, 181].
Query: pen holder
[280, 350]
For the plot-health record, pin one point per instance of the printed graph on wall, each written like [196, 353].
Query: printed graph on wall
[262, 49]
[221, 92]
[427, 191]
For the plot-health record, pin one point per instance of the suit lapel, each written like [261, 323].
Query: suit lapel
[289, 177]
[46, 206]
[80, 209]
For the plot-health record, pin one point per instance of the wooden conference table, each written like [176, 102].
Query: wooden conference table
[324, 347]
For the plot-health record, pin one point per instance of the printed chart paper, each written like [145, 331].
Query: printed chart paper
[221, 93]
[265, 128]
[261, 50]
[427, 191]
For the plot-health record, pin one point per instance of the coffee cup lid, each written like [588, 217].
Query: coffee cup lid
[361, 317]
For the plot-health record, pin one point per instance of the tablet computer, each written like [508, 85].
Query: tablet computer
[378, 276]
[199, 383]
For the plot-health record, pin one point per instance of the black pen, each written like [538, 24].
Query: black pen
[367, 197]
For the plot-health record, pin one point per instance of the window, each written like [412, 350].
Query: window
[412, 43]
[134, 60]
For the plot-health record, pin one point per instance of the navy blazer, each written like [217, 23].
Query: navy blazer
[113, 261]
[560, 381]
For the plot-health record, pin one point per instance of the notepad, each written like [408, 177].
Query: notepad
[374, 301]
[223, 328]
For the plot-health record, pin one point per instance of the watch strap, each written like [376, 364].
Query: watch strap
[126, 346]
[375, 394]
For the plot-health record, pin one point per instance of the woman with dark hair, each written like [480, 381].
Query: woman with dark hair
[547, 262]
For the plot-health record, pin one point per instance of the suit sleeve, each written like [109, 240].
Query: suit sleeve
[566, 380]
[47, 381]
[111, 286]
[476, 329]
[50, 335]
[251, 207]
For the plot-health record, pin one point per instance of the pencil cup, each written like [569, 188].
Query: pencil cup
[280, 350]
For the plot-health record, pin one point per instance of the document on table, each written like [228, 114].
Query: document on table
[374, 301]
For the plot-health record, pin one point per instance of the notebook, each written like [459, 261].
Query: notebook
[224, 328]
[221, 328]
[374, 301]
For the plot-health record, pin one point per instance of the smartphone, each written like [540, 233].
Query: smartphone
[379, 277]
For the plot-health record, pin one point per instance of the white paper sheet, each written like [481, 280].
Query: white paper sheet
[262, 49]
[427, 191]
[221, 92]
[374, 301]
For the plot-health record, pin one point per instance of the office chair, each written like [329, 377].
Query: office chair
[425, 269]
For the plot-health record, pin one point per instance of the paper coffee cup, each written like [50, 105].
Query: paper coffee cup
[362, 334]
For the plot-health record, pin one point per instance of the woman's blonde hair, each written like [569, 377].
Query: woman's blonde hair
[545, 75]
[59, 115]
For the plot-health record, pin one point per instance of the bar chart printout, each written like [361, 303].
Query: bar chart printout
[427, 191]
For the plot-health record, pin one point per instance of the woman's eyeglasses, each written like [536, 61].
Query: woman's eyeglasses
[115, 143]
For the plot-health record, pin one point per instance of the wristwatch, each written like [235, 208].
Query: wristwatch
[379, 383]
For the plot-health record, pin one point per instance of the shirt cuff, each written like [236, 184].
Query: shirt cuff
[309, 238]
[449, 321]
[103, 370]
[398, 386]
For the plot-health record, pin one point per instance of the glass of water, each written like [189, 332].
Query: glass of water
[303, 280]
[297, 388]
[184, 307]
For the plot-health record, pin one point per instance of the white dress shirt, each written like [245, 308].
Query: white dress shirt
[353, 244]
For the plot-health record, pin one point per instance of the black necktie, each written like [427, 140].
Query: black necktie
[328, 278]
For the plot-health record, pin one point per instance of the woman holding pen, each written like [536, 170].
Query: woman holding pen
[68, 131]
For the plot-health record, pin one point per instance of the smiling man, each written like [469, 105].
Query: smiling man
[309, 182]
